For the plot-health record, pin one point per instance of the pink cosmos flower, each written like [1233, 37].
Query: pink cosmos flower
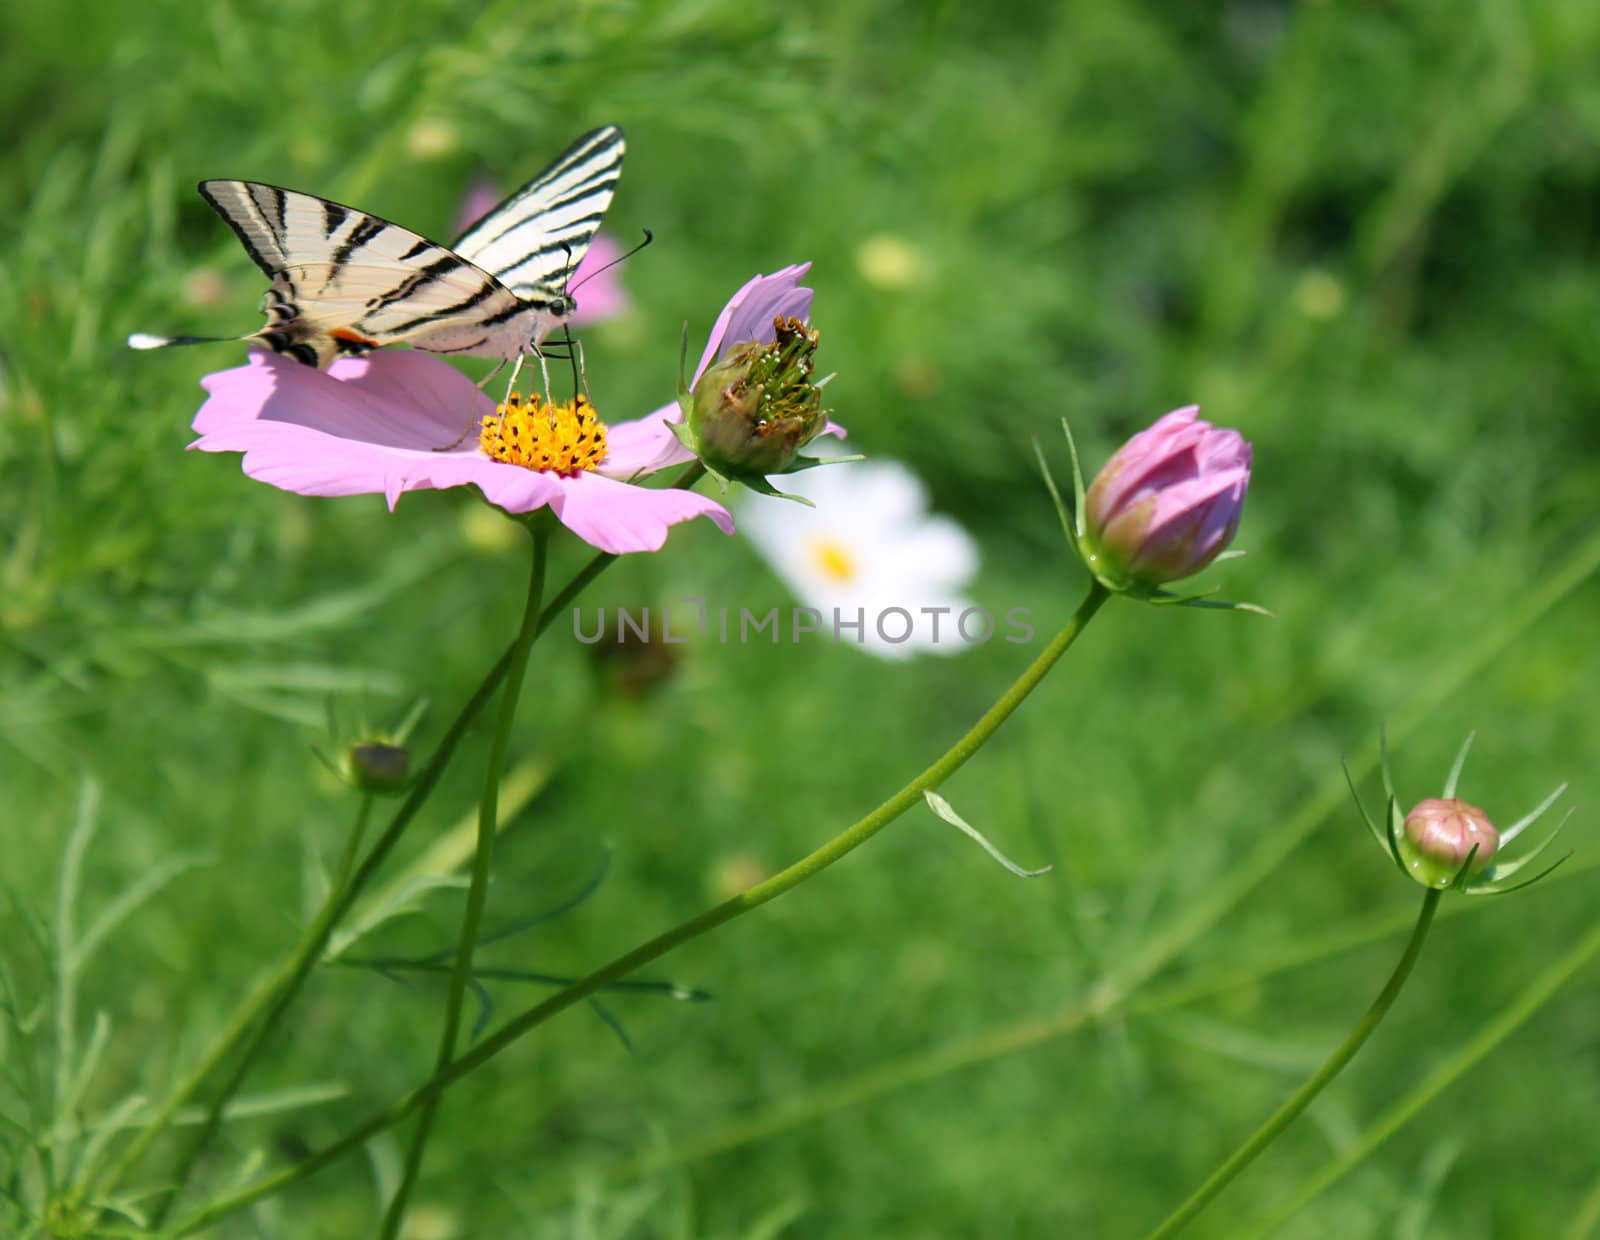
[1168, 502]
[374, 424]
[601, 296]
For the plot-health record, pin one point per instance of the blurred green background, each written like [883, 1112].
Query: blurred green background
[1362, 233]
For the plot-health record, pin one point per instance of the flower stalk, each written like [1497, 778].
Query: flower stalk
[279, 988]
[1302, 1097]
[482, 859]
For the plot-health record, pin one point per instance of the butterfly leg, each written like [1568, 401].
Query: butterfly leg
[580, 373]
[544, 371]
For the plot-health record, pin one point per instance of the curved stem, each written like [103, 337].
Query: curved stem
[843, 843]
[1445, 1074]
[477, 892]
[1287, 1113]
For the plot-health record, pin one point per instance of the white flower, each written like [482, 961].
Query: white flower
[870, 549]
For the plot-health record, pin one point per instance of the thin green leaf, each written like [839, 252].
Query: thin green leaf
[129, 901]
[943, 808]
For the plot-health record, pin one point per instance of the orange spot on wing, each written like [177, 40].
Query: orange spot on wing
[350, 337]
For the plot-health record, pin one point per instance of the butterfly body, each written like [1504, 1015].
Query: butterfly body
[345, 282]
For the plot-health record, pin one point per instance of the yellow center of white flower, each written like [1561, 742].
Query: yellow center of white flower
[833, 559]
[563, 439]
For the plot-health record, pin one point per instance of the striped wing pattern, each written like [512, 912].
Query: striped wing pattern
[345, 282]
[534, 239]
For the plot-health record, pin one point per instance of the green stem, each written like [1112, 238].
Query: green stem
[1472, 1053]
[1302, 1098]
[845, 842]
[477, 891]
[285, 980]
[291, 972]
[299, 964]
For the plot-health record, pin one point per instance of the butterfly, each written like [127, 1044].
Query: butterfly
[345, 282]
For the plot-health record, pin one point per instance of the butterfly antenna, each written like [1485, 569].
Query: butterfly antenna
[621, 258]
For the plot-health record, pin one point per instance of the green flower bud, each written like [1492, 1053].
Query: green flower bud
[756, 408]
[376, 766]
[1440, 834]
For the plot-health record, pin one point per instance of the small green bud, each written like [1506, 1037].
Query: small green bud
[1440, 834]
[754, 410]
[377, 767]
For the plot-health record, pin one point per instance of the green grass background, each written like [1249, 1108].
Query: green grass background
[1365, 234]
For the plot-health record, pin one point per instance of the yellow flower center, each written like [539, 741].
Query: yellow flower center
[564, 439]
[834, 559]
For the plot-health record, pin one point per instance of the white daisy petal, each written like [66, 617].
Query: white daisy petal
[870, 548]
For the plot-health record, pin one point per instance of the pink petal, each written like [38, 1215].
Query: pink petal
[749, 312]
[396, 398]
[619, 518]
[645, 446]
[370, 425]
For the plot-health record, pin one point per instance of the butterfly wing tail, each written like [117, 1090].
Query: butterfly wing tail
[143, 340]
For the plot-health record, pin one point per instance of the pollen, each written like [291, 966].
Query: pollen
[833, 559]
[564, 439]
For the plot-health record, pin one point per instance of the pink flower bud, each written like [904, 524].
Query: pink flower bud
[1167, 503]
[1440, 835]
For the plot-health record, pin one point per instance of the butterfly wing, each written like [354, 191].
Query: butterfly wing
[532, 242]
[344, 281]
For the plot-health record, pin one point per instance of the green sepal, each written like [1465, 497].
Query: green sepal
[1377, 832]
[1498, 875]
[683, 365]
[1078, 490]
[1160, 596]
[1455, 767]
[1397, 827]
[1533, 816]
[1496, 889]
[762, 486]
[802, 463]
[1464, 875]
[1384, 771]
[1068, 525]
[682, 433]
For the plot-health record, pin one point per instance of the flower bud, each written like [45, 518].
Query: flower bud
[751, 412]
[1439, 836]
[377, 766]
[1167, 503]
